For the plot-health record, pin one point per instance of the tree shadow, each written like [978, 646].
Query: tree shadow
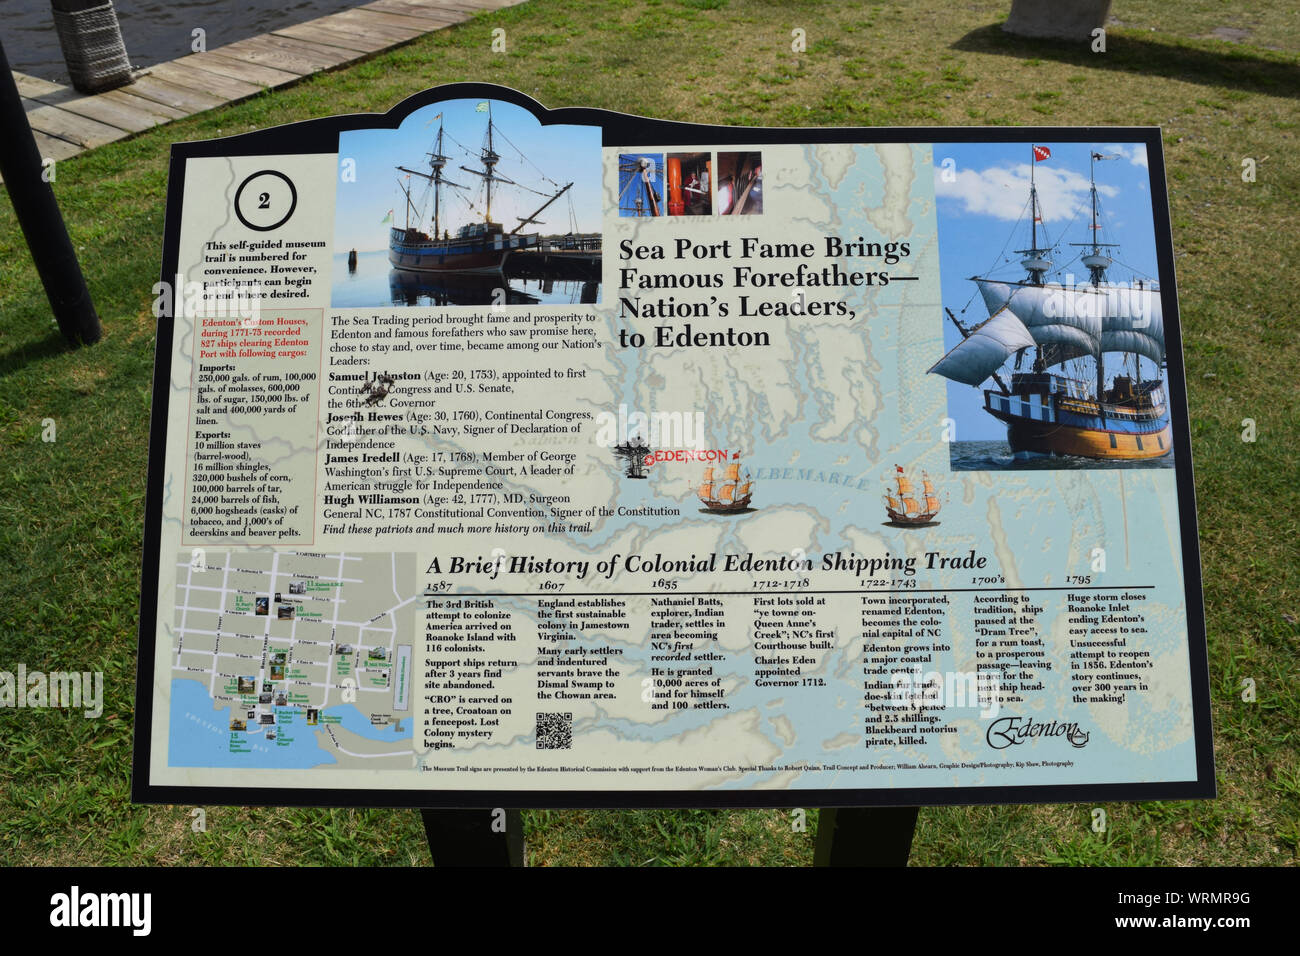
[1227, 68]
[52, 344]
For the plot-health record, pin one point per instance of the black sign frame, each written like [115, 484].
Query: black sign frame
[620, 129]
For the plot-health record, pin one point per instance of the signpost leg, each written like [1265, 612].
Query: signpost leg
[41, 221]
[864, 836]
[474, 837]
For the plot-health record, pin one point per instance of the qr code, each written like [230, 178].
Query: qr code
[554, 731]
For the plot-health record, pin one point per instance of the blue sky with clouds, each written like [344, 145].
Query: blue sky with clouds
[982, 208]
[562, 153]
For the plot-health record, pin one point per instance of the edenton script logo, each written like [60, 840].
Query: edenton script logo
[1013, 731]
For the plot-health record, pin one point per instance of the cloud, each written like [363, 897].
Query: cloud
[1135, 153]
[1003, 191]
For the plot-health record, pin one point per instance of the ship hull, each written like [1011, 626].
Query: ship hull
[451, 288]
[414, 252]
[1040, 425]
[730, 507]
[910, 520]
[1035, 439]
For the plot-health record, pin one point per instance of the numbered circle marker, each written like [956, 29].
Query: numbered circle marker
[265, 200]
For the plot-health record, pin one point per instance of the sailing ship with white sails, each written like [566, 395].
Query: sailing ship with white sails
[1048, 413]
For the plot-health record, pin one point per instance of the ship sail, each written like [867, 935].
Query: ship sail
[982, 353]
[730, 493]
[907, 508]
[1134, 322]
[1068, 319]
[1079, 320]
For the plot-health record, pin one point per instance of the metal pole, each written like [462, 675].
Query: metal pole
[864, 836]
[468, 838]
[38, 215]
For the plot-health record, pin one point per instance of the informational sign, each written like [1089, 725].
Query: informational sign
[505, 456]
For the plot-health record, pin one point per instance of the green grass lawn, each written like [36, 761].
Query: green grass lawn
[71, 510]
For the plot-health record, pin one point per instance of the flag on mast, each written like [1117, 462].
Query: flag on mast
[1041, 153]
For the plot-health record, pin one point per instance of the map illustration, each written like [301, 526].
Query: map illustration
[292, 660]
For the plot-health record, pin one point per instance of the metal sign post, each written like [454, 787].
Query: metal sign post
[475, 837]
[38, 215]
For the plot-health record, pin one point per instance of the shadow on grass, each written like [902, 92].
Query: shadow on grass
[52, 344]
[1229, 68]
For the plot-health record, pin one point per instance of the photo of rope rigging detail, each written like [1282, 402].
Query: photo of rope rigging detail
[640, 184]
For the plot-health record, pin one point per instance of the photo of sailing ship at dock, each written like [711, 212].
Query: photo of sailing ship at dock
[465, 198]
[1055, 349]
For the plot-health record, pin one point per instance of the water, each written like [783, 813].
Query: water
[153, 31]
[376, 283]
[996, 456]
[201, 735]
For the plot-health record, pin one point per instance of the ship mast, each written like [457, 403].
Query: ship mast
[406, 191]
[1035, 259]
[436, 162]
[1095, 259]
[489, 157]
[1035, 262]
[1096, 264]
